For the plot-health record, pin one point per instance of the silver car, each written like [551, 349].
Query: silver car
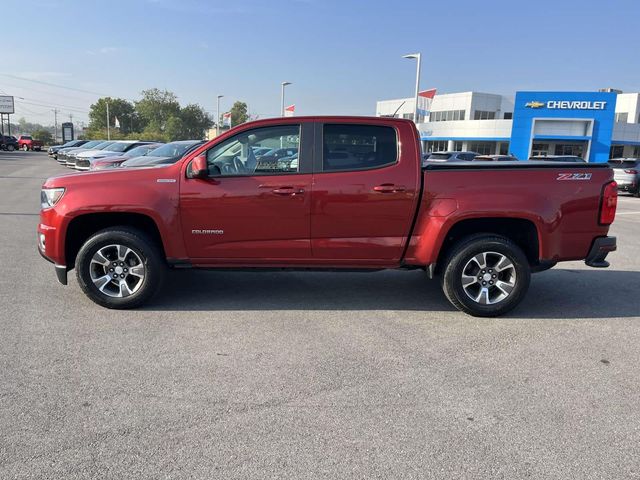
[626, 173]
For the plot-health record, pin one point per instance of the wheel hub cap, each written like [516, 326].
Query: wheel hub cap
[488, 278]
[117, 271]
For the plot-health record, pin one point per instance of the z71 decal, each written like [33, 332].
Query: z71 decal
[574, 176]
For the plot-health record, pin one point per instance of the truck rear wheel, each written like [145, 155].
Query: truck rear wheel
[119, 268]
[486, 275]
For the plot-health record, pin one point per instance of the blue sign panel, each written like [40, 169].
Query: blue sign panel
[584, 118]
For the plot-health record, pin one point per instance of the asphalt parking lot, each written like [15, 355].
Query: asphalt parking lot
[313, 375]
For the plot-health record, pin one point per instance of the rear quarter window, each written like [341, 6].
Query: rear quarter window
[358, 147]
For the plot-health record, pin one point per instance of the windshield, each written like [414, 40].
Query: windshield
[624, 163]
[119, 147]
[176, 149]
[26, 137]
[92, 143]
[141, 151]
[440, 156]
[72, 143]
[103, 145]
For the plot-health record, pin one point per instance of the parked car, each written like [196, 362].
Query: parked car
[117, 160]
[84, 160]
[260, 151]
[626, 173]
[73, 155]
[495, 158]
[451, 156]
[8, 142]
[217, 208]
[558, 158]
[53, 150]
[164, 155]
[63, 153]
[26, 142]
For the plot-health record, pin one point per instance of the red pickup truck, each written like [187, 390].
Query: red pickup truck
[26, 142]
[350, 193]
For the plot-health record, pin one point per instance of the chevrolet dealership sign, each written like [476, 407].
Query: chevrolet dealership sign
[568, 105]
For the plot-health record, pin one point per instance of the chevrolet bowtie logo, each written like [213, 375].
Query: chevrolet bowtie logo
[534, 104]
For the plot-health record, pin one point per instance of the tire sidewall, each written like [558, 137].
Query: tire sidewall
[137, 242]
[459, 259]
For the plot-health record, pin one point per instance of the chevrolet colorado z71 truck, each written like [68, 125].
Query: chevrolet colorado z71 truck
[348, 193]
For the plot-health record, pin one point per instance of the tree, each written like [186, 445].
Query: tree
[238, 113]
[195, 122]
[156, 107]
[43, 135]
[174, 129]
[119, 108]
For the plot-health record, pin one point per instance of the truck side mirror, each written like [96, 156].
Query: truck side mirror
[199, 168]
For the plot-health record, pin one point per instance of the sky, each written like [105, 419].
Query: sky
[340, 55]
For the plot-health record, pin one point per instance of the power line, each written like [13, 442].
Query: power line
[48, 105]
[54, 85]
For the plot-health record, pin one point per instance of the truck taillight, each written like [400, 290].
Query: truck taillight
[632, 172]
[609, 203]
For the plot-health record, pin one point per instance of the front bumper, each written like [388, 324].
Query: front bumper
[599, 251]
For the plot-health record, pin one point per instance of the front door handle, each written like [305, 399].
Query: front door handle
[288, 191]
[388, 188]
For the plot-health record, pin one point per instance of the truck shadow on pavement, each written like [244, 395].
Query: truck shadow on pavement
[557, 293]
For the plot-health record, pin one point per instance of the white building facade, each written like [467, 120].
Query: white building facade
[593, 125]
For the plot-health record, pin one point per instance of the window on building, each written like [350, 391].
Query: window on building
[504, 148]
[508, 115]
[483, 148]
[636, 152]
[407, 116]
[575, 149]
[622, 117]
[540, 149]
[616, 151]
[437, 146]
[484, 115]
[446, 116]
[457, 146]
[355, 147]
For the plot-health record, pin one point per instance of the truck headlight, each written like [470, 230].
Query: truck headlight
[50, 196]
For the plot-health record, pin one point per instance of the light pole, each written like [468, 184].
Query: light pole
[218, 114]
[108, 128]
[415, 108]
[284, 84]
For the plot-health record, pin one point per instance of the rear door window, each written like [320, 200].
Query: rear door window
[358, 147]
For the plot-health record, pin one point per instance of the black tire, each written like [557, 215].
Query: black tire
[146, 251]
[10, 148]
[461, 261]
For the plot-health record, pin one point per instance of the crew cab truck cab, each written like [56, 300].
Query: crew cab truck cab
[352, 194]
[26, 142]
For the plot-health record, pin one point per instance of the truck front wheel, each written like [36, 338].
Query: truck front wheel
[486, 275]
[119, 268]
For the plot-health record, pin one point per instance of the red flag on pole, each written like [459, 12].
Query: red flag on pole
[290, 111]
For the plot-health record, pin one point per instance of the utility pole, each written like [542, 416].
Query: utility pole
[108, 131]
[55, 122]
[71, 117]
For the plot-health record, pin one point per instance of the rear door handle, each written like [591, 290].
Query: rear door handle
[388, 188]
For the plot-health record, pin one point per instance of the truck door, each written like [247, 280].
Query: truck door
[252, 206]
[365, 192]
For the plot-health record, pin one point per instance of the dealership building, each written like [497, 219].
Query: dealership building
[593, 125]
